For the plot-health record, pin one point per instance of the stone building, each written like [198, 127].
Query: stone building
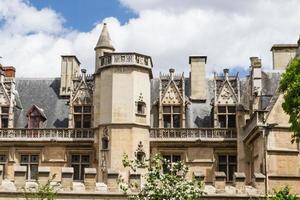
[230, 131]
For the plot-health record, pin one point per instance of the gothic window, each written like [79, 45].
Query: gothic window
[3, 160]
[172, 116]
[82, 116]
[31, 161]
[226, 116]
[228, 165]
[79, 162]
[4, 116]
[171, 158]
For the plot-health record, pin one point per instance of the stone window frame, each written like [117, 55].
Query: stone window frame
[181, 152]
[29, 164]
[172, 113]
[81, 164]
[4, 115]
[227, 164]
[82, 113]
[226, 114]
[140, 106]
[140, 154]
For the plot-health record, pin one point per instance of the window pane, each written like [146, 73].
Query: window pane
[176, 121]
[223, 168]
[232, 159]
[222, 121]
[176, 109]
[77, 109]
[231, 121]
[33, 171]
[231, 109]
[222, 109]
[75, 158]
[24, 158]
[167, 121]
[232, 169]
[34, 158]
[176, 158]
[77, 121]
[4, 109]
[222, 159]
[87, 109]
[85, 159]
[167, 109]
[4, 121]
[86, 121]
[76, 172]
[82, 171]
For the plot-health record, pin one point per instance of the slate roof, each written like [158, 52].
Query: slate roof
[45, 94]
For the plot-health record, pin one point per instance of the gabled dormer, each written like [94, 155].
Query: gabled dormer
[35, 117]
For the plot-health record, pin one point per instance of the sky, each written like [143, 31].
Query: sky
[34, 33]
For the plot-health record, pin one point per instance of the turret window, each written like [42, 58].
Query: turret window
[82, 116]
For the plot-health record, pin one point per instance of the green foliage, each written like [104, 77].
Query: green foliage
[160, 186]
[290, 86]
[46, 191]
[283, 194]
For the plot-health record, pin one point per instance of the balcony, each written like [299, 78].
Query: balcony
[125, 59]
[257, 119]
[193, 134]
[46, 135]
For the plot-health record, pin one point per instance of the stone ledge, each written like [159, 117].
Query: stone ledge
[44, 169]
[20, 168]
[220, 175]
[239, 175]
[67, 170]
[90, 171]
[112, 172]
[259, 176]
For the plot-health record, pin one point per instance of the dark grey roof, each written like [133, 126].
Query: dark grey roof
[45, 94]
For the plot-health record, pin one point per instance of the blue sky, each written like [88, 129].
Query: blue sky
[82, 15]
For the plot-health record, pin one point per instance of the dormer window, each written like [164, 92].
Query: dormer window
[4, 116]
[82, 116]
[36, 117]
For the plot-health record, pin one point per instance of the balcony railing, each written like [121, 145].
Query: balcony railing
[125, 59]
[185, 134]
[36, 135]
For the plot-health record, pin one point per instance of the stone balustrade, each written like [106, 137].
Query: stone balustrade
[59, 134]
[125, 59]
[257, 119]
[202, 134]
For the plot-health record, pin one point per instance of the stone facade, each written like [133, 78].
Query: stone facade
[230, 131]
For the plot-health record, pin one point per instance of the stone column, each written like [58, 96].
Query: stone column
[90, 175]
[67, 178]
[259, 183]
[43, 175]
[112, 176]
[220, 182]
[20, 176]
[239, 180]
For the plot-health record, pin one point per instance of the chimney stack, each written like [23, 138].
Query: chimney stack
[197, 78]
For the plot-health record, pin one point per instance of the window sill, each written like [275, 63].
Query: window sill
[140, 114]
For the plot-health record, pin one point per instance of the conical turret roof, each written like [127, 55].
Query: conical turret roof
[104, 40]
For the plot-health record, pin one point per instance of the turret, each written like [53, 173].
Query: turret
[103, 45]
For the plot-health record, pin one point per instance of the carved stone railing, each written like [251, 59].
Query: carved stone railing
[213, 134]
[257, 119]
[59, 134]
[125, 59]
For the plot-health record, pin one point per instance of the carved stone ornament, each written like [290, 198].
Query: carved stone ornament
[226, 94]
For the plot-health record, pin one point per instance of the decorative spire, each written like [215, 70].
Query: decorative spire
[104, 39]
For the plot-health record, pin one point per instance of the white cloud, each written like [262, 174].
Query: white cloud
[228, 32]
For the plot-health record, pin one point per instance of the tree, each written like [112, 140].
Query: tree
[283, 194]
[46, 191]
[290, 86]
[163, 180]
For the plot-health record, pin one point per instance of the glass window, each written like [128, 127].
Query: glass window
[228, 165]
[222, 109]
[167, 121]
[167, 109]
[79, 163]
[231, 121]
[82, 116]
[3, 160]
[31, 162]
[226, 116]
[104, 143]
[172, 158]
[172, 116]
[176, 121]
[4, 116]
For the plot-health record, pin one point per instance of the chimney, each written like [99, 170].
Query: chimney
[255, 76]
[9, 71]
[70, 68]
[197, 78]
